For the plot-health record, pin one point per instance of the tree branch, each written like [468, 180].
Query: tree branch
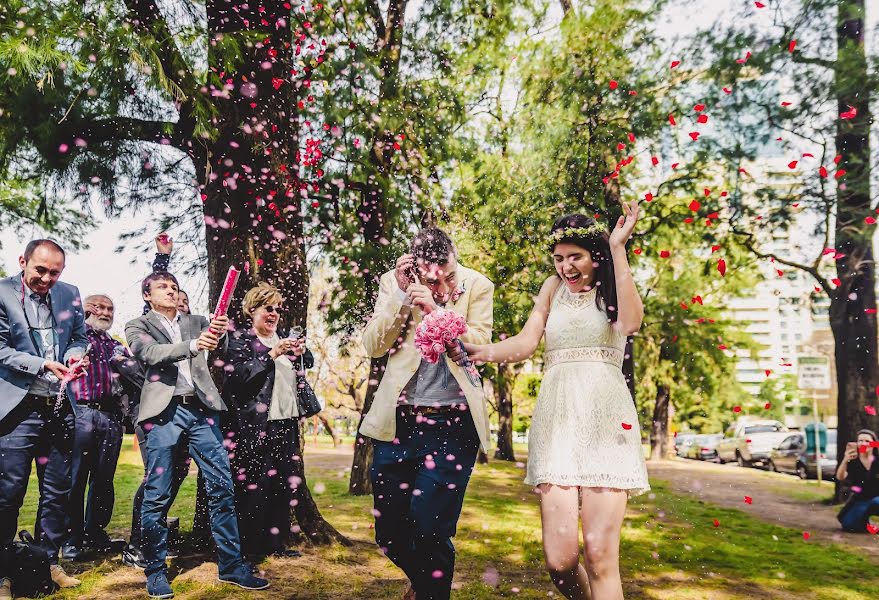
[749, 243]
[148, 19]
[125, 128]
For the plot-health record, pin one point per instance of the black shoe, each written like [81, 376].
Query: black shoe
[286, 553]
[108, 546]
[74, 553]
[133, 557]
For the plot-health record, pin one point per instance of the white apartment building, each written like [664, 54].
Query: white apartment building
[784, 313]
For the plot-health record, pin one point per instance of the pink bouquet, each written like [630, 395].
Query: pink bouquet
[436, 331]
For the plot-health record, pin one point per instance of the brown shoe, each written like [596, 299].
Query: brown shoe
[5, 589]
[62, 579]
[410, 594]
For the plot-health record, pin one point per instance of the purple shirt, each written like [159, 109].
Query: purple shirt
[97, 383]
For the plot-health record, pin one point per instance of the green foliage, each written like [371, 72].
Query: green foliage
[780, 393]
[525, 392]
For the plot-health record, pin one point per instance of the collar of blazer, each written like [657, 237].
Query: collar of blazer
[155, 320]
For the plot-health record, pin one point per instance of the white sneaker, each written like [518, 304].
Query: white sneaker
[5, 589]
[61, 578]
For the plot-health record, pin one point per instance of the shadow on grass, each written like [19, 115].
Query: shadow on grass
[670, 549]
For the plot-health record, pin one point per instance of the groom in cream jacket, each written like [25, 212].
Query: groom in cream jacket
[427, 420]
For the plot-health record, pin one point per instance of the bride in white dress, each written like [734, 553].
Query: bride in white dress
[584, 447]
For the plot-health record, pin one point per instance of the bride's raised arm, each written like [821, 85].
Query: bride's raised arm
[522, 345]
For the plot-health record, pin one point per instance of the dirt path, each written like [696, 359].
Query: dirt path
[776, 498]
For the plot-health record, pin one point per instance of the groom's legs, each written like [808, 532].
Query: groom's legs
[393, 478]
[448, 444]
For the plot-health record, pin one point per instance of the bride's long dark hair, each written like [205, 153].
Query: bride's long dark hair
[598, 246]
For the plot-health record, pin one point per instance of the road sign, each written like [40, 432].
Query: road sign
[813, 373]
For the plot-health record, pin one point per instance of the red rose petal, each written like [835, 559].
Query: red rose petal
[748, 500]
[627, 426]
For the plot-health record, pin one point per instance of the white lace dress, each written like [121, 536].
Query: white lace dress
[585, 428]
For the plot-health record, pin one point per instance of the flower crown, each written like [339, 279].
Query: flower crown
[574, 232]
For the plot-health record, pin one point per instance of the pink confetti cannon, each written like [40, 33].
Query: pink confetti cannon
[228, 290]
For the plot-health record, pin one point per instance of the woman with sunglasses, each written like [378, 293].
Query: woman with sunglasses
[260, 391]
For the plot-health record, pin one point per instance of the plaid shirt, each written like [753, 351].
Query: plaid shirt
[97, 384]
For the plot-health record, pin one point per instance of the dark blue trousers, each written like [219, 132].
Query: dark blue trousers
[35, 430]
[201, 427]
[97, 441]
[855, 515]
[418, 485]
[264, 463]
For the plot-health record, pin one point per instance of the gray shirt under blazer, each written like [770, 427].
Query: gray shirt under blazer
[158, 355]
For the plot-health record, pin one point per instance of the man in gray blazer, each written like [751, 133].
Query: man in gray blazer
[179, 401]
[41, 335]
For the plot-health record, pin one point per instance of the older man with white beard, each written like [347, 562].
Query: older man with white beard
[98, 435]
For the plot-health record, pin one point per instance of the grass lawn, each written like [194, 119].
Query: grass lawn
[671, 548]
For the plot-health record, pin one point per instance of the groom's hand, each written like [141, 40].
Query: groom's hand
[455, 352]
[422, 297]
[403, 272]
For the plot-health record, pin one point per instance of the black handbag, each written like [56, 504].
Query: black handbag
[28, 567]
[307, 401]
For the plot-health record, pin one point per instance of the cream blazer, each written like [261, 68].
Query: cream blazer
[392, 331]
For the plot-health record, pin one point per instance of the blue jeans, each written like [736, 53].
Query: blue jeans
[36, 431]
[96, 444]
[201, 426]
[181, 470]
[435, 456]
[855, 515]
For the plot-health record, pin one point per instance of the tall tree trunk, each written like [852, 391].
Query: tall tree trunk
[359, 483]
[373, 215]
[249, 179]
[504, 391]
[309, 522]
[659, 429]
[330, 429]
[852, 308]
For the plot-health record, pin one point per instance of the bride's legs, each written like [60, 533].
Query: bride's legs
[602, 511]
[561, 540]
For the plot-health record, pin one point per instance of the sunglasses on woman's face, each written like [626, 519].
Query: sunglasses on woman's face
[272, 309]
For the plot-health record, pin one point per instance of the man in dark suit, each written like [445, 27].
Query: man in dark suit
[179, 399]
[41, 335]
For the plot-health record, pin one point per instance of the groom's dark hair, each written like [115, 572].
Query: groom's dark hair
[432, 245]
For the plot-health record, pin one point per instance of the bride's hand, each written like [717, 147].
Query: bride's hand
[477, 353]
[625, 224]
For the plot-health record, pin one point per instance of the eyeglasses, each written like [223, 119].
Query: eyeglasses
[272, 309]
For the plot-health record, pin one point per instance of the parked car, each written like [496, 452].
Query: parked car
[682, 442]
[791, 457]
[703, 447]
[750, 442]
